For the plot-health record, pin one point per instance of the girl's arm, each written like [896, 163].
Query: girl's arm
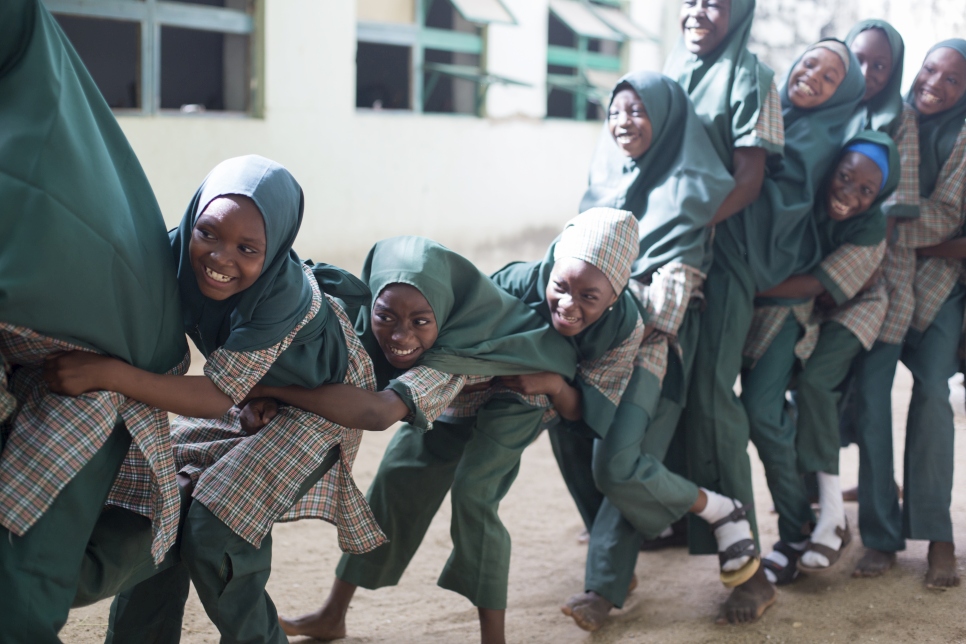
[342, 404]
[749, 174]
[796, 287]
[952, 249]
[77, 372]
[565, 398]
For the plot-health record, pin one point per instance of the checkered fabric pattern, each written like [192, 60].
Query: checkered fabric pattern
[250, 482]
[604, 237]
[863, 315]
[8, 404]
[770, 127]
[934, 281]
[898, 269]
[52, 437]
[433, 391]
[849, 266]
[768, 321]
[906, 138]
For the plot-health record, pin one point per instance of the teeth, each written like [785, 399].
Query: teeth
[568, 319]
[625, 138]
[805, 89]
[839, 207]
[699, 31]
[400, 352]
[928, 98]
[218, 277]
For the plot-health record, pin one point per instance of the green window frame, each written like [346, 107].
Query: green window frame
[151, 16]
[418, 38]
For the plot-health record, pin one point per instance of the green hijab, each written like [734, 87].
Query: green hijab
[482, 329]
[83, 254]
[938, 132]
[882, 111]
[673, 189]
[728, 86]
[769, 232]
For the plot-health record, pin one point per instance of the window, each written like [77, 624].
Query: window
[584, 55]
[151, 55]
[425, 55]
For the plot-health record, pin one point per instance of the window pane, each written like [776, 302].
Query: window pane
[204, 70]
[445, 93]
[109, 49]
[382, 76]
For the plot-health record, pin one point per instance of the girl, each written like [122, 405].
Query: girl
[257, 314]
[851, 235]
[663, 193]
[753, 251]
[929, 347]
[85, 266]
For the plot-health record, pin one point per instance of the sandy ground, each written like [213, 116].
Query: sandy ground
[675, 602]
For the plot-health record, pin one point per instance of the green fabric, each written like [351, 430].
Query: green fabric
[528, 281]
[769, 232]
[938, 132]
[673, 189]
[882, 111]
[572, 450]
[477, 464]
[728, 86]
[39, 572]
[482, 330]
[83, 255]
[817, 426]
[150, 613]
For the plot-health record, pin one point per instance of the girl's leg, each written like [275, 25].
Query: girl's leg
[573, 453]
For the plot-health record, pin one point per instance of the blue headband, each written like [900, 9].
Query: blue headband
[877, 153]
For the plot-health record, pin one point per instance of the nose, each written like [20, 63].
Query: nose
[400, 334]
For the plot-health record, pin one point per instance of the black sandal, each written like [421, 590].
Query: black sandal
[740, 548]
[788, 573]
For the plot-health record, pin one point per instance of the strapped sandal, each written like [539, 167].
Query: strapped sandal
[831, 554]
[740, 548]
[788, 573]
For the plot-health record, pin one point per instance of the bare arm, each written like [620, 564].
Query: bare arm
[749, 174]
[565, 398]
[78, 372]
[952, 249]
[796, 287]
[345, 405]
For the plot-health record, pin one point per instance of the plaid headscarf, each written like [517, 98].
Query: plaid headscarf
[604, 237]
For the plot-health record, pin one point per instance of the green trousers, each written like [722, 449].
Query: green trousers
[715, 422]
[228, 573]
[931, 356]
[39, 572]
[477, 463]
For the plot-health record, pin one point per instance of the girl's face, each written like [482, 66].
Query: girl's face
[629, 124]
[704, 24]
[854, 186]
[941, 81]
[227, 247]
[815, 78]
[404, 324]
[872, 49]
[578, 294]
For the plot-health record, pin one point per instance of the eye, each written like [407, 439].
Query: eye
[558, 287]
[590, 298]
[248, 250]
[382, 317]
[422, 322]
[204, 234]
[866, 191]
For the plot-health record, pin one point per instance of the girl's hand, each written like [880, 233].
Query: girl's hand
[480, 386]
[530, 384]
[257, 413]
[78, 372]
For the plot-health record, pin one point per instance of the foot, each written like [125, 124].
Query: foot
[748, 601]
[874, 563]
[824, 551]
[631, 586]
[942, 566]
[318, 625]
[781, 564]
[589, 610]
[584, 537]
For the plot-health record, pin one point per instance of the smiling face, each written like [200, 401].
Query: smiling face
[404, 324]
[815, 78]
[704, 24]
[578, 294]
[227, 247]
[854, 186]
[872, 49]
[941, 81]
[629, 124]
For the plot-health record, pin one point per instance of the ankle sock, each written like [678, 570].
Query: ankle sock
[831, 516]
[780, 559]
[718, 507]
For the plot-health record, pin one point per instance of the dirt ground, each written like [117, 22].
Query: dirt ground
[676, 601]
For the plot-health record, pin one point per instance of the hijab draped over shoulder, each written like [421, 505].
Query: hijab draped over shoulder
[673, 189]
[728, 86]
[482, 329]
[265, 313]
[882, 111]
[769, 233]
[83, 252]
[938, 132]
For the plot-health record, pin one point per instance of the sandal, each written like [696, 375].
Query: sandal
[788, 573]
[740, 548]
[831, 554]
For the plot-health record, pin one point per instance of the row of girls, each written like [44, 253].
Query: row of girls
[729, 229]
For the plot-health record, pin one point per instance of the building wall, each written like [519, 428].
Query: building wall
[495, 188]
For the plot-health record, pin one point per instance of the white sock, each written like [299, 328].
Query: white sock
[780, 559]
[831, 516]
[718, 507]
[668, 531]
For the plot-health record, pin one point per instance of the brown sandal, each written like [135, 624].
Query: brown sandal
[831, 554]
